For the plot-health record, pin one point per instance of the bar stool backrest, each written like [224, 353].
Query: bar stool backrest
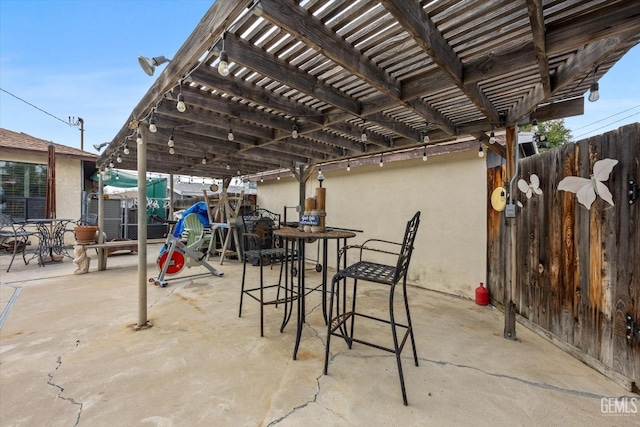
[406, 250]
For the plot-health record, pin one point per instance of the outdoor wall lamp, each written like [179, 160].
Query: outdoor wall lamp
[149, 64]
[99, 147]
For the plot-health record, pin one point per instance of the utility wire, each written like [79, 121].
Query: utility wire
[37, 108]
[606, 118]
[608, 124]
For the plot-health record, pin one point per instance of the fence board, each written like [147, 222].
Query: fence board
[578, 269]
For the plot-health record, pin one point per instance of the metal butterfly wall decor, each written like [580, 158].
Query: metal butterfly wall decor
[529, 188]
[588, 189]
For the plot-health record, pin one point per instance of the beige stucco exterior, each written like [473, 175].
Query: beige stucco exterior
[449, 190]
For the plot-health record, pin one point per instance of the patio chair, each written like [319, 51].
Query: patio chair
[342, 324]
[194, 230]
[260, 248]
[14, 238]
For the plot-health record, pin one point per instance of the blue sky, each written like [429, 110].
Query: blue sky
[79, 58]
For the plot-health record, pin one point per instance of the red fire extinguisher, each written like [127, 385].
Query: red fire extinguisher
[482, 295]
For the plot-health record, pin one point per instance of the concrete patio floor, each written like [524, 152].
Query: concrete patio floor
[69, 356]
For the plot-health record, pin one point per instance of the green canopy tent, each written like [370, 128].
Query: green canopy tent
[156, 187]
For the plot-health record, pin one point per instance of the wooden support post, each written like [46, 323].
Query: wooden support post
[510, 252]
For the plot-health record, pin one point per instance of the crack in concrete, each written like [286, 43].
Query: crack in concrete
[61, 389]
[299, 407]
[535, 384]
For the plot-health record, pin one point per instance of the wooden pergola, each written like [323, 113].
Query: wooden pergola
[352, 78]
[394, 70]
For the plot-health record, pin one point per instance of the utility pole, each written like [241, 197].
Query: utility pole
[78, 122]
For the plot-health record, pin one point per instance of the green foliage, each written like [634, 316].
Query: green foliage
[556, 132]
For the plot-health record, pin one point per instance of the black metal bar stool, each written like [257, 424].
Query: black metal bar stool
[342, 324]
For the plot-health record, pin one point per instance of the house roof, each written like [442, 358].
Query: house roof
[392, 69]
[11, 141]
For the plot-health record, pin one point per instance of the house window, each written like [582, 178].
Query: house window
[23, 188]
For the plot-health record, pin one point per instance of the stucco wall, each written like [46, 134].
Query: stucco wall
[449, 190]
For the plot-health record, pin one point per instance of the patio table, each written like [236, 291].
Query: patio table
[51, 239]
[299, 237]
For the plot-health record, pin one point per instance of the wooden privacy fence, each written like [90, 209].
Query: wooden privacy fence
[578, 270]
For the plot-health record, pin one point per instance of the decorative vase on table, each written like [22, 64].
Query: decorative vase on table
[85, 234]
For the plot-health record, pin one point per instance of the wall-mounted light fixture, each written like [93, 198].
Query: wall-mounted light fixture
[149, 64]
[99, 147]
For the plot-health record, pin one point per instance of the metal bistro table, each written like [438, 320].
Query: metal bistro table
[51, 236]
[290, 234]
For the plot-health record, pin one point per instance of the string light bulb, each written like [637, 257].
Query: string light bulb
[294, 132]
[118, 157]
[126, 149]
[230, 136]
[424, 154]
[171, 150]
[171, 141]
[534, 126]
[594, 92]
[204, 160]
[228, 166]
[223, 65]
[492, 138]
[181, 106]
[348, 165]
[425, 135]
[111, 162]
[480, 152]
[152, 123]
[381, 161]
[139, 138]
